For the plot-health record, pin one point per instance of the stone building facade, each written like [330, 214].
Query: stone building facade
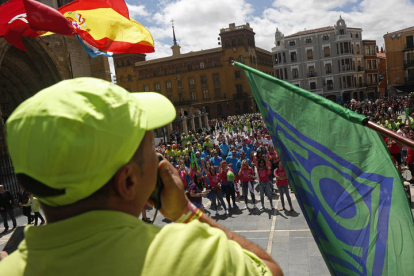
[327, 61]
[399, 51]
[202, 79]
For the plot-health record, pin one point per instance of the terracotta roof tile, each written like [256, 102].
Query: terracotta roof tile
[312, 31]
[380, 55]
[323, 29]
[409, 29]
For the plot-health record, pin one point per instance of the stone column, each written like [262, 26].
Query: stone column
[169, 131]
[206, 120]
[200, 122]
[192, 123]
[185, 129]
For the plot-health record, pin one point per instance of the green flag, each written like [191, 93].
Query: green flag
[347, 186]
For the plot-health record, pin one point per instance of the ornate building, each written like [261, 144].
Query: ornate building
[202, 79]
[327, 61]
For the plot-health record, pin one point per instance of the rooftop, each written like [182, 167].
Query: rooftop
[263, 51]
[318, 30]
[406, 30]
[170, 58]
[381, 55]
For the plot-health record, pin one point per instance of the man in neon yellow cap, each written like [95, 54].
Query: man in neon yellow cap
[84, 148]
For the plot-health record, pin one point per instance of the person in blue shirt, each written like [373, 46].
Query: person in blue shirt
[224, 149]
[245, 149]
[205, 153]
[243, 156]
[232, 162]
[216, 160]
[232, 148]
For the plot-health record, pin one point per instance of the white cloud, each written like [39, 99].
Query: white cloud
[136, 12]
[198, 23]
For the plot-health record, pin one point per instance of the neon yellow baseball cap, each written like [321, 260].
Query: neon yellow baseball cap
[76, 134]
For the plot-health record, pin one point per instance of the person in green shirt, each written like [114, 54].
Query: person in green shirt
[93, 187]
[36, 209]
[184, 140]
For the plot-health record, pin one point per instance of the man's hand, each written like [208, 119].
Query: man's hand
[3, 254]
[173, 198]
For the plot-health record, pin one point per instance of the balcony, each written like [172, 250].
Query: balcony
[408, 63]
[243, 95]
[312, 74]
[408, 46]
[183, 102]
[343, 37]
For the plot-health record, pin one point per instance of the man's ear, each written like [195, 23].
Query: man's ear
[126, 182]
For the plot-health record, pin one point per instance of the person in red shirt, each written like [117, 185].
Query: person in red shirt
[246, 178]
[214, 187]
[282, 184]
[263, 170]
[394, 149]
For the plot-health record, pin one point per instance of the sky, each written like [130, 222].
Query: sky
[198, 23]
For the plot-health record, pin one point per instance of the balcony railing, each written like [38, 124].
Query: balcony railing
[408, 46]
[328, 71]
[243, 95]
[408, 62]
[183, 102]
[312, 74]
[343, 37]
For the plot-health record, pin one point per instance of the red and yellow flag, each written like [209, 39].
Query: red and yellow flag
[106, 25]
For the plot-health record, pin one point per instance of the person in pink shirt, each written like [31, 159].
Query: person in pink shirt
[226, 185]
[182, 172]
[215, 190]
[246, 178]
[263, 171]
[282, 184]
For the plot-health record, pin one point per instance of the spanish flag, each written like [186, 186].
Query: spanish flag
[105, 24]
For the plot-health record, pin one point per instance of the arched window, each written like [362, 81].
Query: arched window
[201, 65]
[233, 43]
[240, 41]
[227, 43]
[129, 78]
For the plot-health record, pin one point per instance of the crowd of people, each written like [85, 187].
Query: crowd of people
[232, 159]
[242, 145]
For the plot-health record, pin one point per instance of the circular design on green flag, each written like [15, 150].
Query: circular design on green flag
[323, 174]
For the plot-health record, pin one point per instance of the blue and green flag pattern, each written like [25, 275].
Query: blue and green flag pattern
[346, 184]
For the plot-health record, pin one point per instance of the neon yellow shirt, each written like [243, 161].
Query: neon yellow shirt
[114, 243]
[35, 204]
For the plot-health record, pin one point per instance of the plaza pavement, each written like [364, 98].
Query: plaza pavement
[284, 235]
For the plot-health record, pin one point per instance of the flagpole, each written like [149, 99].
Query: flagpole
[388, 133]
